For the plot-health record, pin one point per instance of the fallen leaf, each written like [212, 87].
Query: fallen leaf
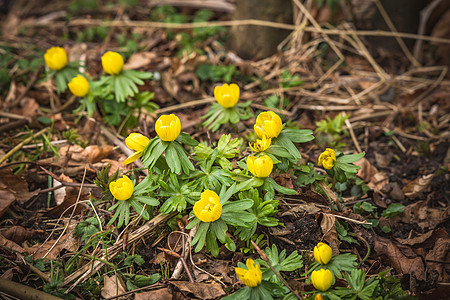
[18, 187]
[160, 294]
[199, 289]
[91, 154]
[425, 217]
[404, 261]
[438, 257]
[10, 245]
[328, 226]
[375, 180]
[67, 241]
[6, 199]
[139, 60]
[113, 286]
[418, 186]
[18, 234]
[426, 240]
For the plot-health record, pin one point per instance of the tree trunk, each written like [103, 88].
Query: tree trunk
[255, 42]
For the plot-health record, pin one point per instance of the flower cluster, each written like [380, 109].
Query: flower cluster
[322, 279]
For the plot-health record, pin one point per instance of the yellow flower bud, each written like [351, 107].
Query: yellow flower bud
[322, 279]
[168, 127]
[227, 95]
[260, 166]
[55, 58]
[261, 145]
[322, 253]
[122, 188]
[137, 142]
[208, 208]
[327, 159]
[79, 86]
[252, 276]
[318, 297]
[112, 63]
[268, 123]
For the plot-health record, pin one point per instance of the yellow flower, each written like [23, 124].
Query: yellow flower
[168, 127]
[227, 95]
[136, 142]
[79, 86]
[327, 158]
[112, 63]
[322, 253]
[260, 166]
[261, 145]
[318, 297]
[122, 188]
[55, 58]
[322, 279]
[268, 123]
[208, 208]
[251, 277]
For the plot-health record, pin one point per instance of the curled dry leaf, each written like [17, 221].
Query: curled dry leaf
[18, 234]
[438, 257]
[403, 259]
[375, 180]
[139, 60]
[328, 226]
[418, 186]
[113, 286]
[160, 294]
[424, 216]
[10, 244]
[91, 154]
[199, 289]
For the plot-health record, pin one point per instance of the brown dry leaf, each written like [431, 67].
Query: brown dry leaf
[10, 183]
[28, 107]
[415, 188]
[113, 286]
[161, 294]
[425, 217]
[18, 234]
[437, 257]
[10, 245]
[170, 84]
[426, 240]
[223, 268]
[328, 226]
[139, 60]
[375, 180]
[300, 209]
[199, 289]
[70, 199]
[67, 241]
[159, 259]
[6, 199]
[91, 154]
[403, 259]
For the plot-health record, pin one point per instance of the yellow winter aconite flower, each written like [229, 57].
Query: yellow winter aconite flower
[251, 277]
[261, 144]
[268, 123]
[55, 58]
[112, 63]
[168, 127]
[260, 166]
[79, 86]
[136, 142]
[122, 188]
[227, 95]
[318, 297]
[208, 208]
[322, 253]
[327, 158]
[322, 279]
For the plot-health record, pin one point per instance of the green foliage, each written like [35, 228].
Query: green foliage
[226, 149]
[280, 262]
[85, 229]
[215, 73]
[343, 233]
[288, 80]
[339, 263]
[134, 281]
[263, 212]
[393, 210]
[330, 132]
[177, 193]
[133, 259]
[306, 175]
[358, 287]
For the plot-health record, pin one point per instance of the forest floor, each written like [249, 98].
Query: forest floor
[392, 216]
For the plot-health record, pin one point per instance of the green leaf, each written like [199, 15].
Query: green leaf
[172, 159]
[136, 258]
[393, 210]
[298, 135]
[187, 139]
[350, 158]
